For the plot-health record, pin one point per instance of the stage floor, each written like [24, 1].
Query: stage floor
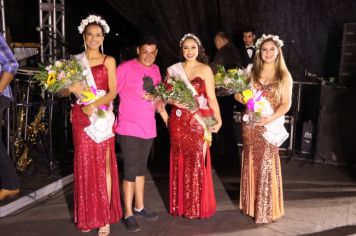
[319, 200]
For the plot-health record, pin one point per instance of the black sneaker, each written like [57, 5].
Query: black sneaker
[131, 224]
[147, 214]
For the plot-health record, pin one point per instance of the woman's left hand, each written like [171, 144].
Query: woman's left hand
[89, 109]
[263, 121]
[215, 128]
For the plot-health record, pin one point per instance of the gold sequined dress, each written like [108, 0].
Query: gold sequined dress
[261, 193]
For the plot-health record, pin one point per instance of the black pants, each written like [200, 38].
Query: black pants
[227, 144]
[8, 176]
[135, 153]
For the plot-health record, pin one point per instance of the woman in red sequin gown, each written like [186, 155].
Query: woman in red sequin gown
[191, 184]
[96, 187]
[261, 192]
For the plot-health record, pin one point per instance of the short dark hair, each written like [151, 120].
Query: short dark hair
[249, 29]
[149, 40]
[223, 35]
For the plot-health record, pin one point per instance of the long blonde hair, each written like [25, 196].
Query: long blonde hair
[281, 70]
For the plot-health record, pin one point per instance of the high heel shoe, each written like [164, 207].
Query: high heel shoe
[104, 231]
[6, 193]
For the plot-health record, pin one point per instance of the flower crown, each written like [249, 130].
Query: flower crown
[93, 19]
[264, 37]
[189, 35]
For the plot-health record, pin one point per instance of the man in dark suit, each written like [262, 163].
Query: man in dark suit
[248, 50]
[225, 144]
[227, 54]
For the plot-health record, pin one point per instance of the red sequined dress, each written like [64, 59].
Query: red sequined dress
[191, 184]
[261, 193]
[92, 208]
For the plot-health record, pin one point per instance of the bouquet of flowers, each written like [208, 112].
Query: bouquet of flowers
[60, 75]
[231, 81]
[257, 105]
[174, 90]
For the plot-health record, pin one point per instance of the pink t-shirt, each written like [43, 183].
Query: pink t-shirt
[136, 116]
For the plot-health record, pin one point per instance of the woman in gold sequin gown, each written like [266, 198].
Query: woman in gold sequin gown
[261, 192]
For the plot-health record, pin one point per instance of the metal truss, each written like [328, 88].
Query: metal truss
[52, 29]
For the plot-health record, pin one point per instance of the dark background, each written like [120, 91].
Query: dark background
[312, 32]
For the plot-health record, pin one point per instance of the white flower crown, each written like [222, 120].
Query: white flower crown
[189, 35]
[264, 37]
[93, 19]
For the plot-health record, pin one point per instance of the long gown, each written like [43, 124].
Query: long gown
[191, 184]
[261, 193]
[91, 203]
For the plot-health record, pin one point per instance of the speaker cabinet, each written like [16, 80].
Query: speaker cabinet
[336, 125]
[347, 72]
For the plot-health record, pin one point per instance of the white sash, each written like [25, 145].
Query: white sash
[275, 132]
[83, 61]
[177, 71]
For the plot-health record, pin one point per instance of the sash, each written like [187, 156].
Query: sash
[275, 132]
[83, 61]
[177, 71]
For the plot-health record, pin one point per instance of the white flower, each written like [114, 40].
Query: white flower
[61, 75]
[85, 72]
[93, 19]
[58, 64]
[264, 37]
[190, 35]
[241, 72]
[245, 118]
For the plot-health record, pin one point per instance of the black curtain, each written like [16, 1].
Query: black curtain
[170, 20]
[312, 30]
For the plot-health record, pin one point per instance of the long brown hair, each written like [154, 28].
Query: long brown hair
[281, 70]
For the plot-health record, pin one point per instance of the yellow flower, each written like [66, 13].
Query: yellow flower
[232, 71]
[88, 96]
[246, 95]
[51, 78]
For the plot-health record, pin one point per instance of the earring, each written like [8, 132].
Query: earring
[102, 48]
[85, 46]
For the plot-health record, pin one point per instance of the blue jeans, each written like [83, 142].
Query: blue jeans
[8, 177]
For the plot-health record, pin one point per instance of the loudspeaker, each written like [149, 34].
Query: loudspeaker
[306, 117]
[336, 125]
[306, 142]
[347, 72]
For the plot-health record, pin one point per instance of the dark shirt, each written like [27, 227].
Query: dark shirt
[227, 56]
